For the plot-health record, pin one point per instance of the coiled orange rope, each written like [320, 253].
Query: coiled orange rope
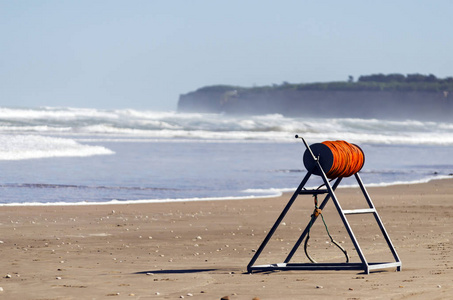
[348, 159]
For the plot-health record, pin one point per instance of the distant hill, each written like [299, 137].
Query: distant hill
[392, 96]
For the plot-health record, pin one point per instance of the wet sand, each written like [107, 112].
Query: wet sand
[200, 250]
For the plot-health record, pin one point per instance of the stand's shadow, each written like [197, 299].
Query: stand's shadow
[186, 271]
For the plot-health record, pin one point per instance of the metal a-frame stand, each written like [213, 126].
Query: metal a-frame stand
[330, 194]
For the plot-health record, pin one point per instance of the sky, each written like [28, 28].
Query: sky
[143, 54]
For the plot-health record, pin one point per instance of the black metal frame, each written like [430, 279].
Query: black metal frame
[330, 191]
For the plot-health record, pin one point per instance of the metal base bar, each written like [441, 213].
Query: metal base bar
[326, 266]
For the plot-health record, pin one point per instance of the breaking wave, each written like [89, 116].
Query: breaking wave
[18, 147]
[53, 132]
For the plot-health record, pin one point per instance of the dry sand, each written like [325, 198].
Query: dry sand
[200, 250]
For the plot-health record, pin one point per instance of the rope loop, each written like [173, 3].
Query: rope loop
[316, 213]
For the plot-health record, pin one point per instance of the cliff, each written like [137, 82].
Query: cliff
[346, 100]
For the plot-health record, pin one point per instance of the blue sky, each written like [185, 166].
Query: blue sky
[144, 54]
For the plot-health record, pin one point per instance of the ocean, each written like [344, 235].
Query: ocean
[55, 155]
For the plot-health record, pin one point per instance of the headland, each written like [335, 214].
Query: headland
[393, 96]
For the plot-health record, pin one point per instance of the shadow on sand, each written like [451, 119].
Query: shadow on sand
[186, 271]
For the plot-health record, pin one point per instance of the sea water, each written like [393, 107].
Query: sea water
[56, 155]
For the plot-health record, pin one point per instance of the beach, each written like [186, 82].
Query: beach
[201, 249]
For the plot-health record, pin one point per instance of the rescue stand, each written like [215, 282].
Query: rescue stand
[330, 191]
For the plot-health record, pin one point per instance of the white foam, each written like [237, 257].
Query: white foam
[197, 126]
[18, 147]
[54, 113]
[275, 192]
[423, 180]
[270, 191]
[141, 201]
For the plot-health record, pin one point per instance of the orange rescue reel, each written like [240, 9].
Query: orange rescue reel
[337, 158]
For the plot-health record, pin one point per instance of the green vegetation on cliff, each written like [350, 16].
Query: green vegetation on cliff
[374, 82]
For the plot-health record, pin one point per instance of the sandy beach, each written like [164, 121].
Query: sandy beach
[200, 250]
